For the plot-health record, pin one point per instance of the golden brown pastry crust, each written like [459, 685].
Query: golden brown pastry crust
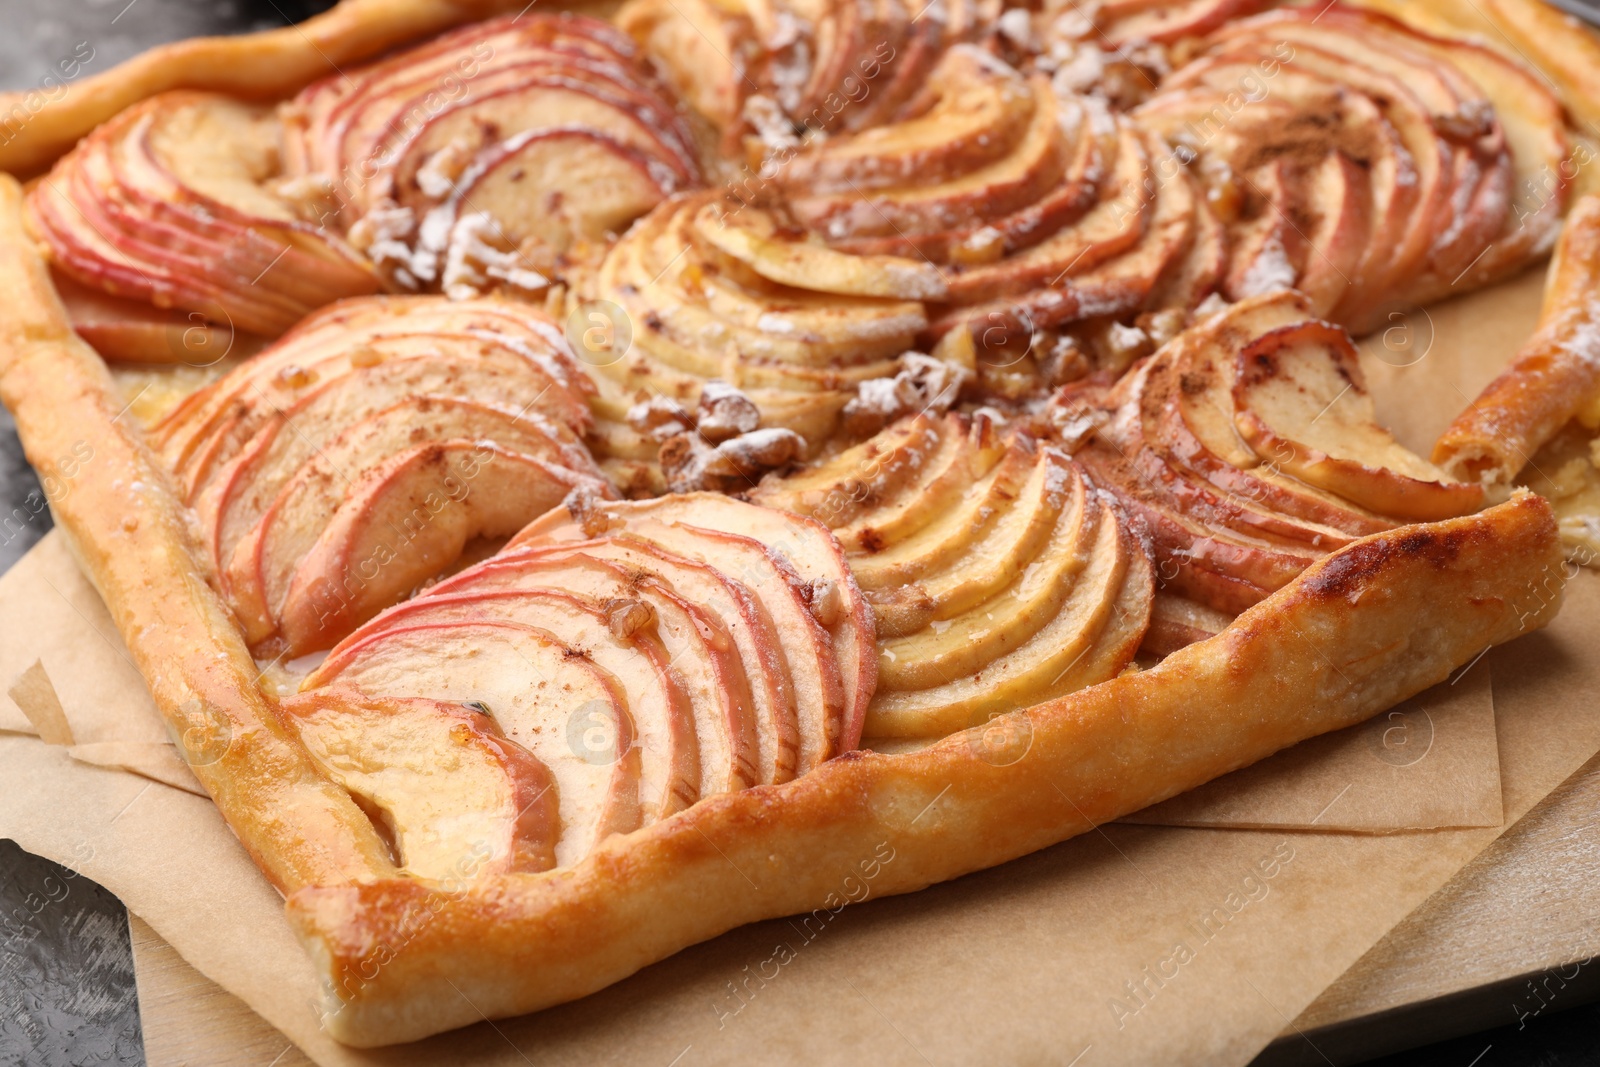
[1553, 376]
[262, 66]
[1357, 632]
[402, 958]
[134, 540]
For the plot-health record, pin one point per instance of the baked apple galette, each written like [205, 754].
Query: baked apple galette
[602, 478]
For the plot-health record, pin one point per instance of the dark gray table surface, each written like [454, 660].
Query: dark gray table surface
[67, 994]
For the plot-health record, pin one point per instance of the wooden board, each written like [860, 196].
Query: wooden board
[1496, 943]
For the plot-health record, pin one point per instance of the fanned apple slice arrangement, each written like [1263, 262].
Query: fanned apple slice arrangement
[1123, 23]
[1039, 209]
[777, 68]
[998, 575]
[713, 290]
[482, 157]
[359, 455]
[1365, 163]
[174, 203]
[641, 655]
[1248, 447]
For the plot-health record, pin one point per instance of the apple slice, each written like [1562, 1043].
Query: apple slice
[698, 646]
[1177, 622]
[657, 700]
[170, 203]
[556, 186]
[974, 111]
[860, 478]
[893, 471]
[547, 124]
[747, 624]
[137, 332]
[1009, 183]
[1247, 508]
[1197, 423]
[458, 800]
[558, 705]
[1301, 400]
[970, 449]
[1115, 223]
[231, 500]
[390, 497]
[1197, 271]
[806, 648]
[211, 425]
[1130, 22]
[1039, 667]
[1005, 602]
[1222, 567]
[547, 94]
[803, 546]
[751, 236]
[694, 40]
[407, 520]
[1008, 548]
[950, 534]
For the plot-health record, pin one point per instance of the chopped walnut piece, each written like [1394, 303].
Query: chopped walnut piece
[1163, 326]
[438, 173]
[929, 384]
[474, 260]
[1061, 360]
[626, 616]
[1473, 120]
[660, 417]
[824, 600]
[725, 412]
[583, 504]
[872, 408]
[691, 465]
[1077, 413]
[923, 384]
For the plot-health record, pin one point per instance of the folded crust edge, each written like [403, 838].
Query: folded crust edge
[1365, 628]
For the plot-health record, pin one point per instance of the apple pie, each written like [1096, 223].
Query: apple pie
[589, 483]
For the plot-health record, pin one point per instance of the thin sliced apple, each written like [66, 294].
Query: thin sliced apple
[803, 546]
[860, 478]
[1129, 22]
[698, 645]
[459, 801]
[1018, 597]
[975, 112]
[1042, 665]
[1008, 184]
[137, 332]
[806, 647]
[557, 186]
[1177, 622]
[1302, 401]
[658, 702]
[751, 236]
[397, 462]
[230, 500]
[211, 425]
[948, 536]
[559, 706]
[749, 626]
[407, 520]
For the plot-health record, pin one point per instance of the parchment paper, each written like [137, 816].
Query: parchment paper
[1133, 944]
[1130, 945]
